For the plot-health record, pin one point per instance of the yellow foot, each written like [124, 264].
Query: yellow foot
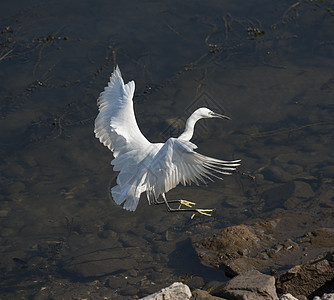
[205, 212]
[186, 203]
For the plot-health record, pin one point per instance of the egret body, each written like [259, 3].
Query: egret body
[154, 168]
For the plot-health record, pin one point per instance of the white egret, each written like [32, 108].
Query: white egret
[154, 168]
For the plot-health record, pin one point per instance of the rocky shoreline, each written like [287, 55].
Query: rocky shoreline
[266, 260]
[235, 290]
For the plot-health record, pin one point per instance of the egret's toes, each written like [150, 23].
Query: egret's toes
[205, 212]
[186, 203]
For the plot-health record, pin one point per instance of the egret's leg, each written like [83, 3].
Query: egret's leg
[205, 212]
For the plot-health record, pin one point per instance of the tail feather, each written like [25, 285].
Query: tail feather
[128, 194]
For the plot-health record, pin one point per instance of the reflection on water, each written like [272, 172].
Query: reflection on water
[269, 67]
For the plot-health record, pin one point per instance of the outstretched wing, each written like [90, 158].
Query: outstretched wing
[177, 162]
[116, 126]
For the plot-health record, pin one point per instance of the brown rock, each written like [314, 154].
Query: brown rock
[264, 246]
[238, 249]
[323, 237]
[307, 278]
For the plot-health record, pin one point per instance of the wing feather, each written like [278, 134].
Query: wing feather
[116, 126]
[177, 162]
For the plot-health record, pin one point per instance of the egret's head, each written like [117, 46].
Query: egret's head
[204, 112]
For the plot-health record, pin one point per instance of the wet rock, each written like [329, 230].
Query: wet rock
[276, 174]
[287, 194]
[115, 282]
[292, 203]
[303, 190]
[305, 279]
[251, 285]
[276, 196]
[325, 194]
[133, 273]
[204, 295]
[195, 282]
[264, 246]
[176, 291]
[159, 276]
[236, 249]
[325, 297]
[323, 237]
[130, 290]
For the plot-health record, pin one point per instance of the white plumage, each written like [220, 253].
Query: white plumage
[154, 168]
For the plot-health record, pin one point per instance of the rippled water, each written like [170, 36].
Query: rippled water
[267, 65]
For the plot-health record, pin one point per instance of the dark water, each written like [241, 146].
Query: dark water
[268, 65]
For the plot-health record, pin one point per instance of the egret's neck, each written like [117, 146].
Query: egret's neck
[189, 130]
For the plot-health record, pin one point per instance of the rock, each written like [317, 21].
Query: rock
[204, 295]
[129, 290]
[263, 246]
[305, 279]
[251, 285]
[292, 203]
[276, 174]
[280, 194]
[287, 297]
[276, 196]
[303, 190]
[325, 297]
[227, 249]
[323, 237]
[176, 291]
[241, 248]
[115, 282]
[195, 282]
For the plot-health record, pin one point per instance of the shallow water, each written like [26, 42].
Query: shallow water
[268, 66]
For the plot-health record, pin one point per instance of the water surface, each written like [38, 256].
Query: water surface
[269, 66]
